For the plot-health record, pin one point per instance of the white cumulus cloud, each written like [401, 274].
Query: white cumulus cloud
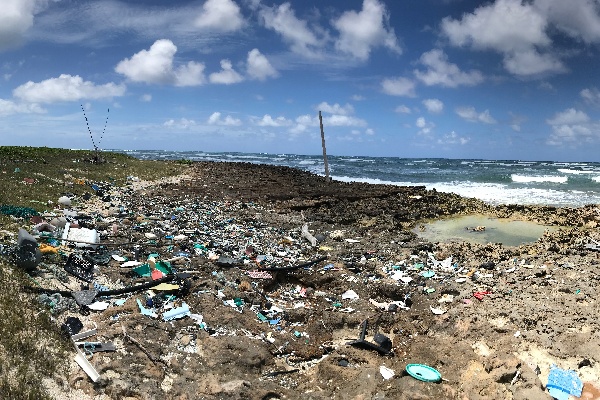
[470, 114]
[16, 17]
[282, 19]
[146, 97]
[577, 18]
[335, 109]
[331, 120]
[258, 67]
[513, 28]
[568, 117]
[215, 119]
[453, 138]
[574, 135]
[357, 97]
[155, 66]
[220, 15]
[441, 72]
[360, 32]
[67, 88]
[226, 76]
[343, 120]
[183, 123]
[426, 127]
[591, 96]
[267, 120]
[8, 107]
[434, 106]
[402, 109]
[399, 87]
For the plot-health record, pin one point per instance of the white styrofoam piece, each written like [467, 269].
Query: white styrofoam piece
[86, 366]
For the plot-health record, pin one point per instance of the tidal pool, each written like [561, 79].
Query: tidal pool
[505, 231]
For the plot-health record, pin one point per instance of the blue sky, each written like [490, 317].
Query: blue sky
[504, 79]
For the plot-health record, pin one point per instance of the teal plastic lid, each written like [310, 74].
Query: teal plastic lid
[423, 373]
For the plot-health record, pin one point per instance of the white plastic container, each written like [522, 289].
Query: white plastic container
[81, 235]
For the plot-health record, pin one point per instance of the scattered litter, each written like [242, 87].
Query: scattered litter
[99, 306]
[423, 373]
[384, 348]
[259, 274]
[437, 311]
[386, 372]
[86, 366]
[446, 298]
[562, 383]
[350, 294]
[306, 234]
[177, 313]
[480, 295]
[145, 311]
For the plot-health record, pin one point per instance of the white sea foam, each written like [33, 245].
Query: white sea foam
[575, 171]
[596, 179]
[374, 181]
[307, 162]
[495, 194]
[529, 179]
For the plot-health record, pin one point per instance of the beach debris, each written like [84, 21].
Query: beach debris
[71, 326]
[259, 274]
[562, 383]
[80, 268]
[81, 237]
[307, 235]
[480, 295]
[145, 311]
[423, 373]
[177, 313]
[475, 228]
[85, 334]
[386, 372]
[350, 294]
[446, 298]
[444, 265]
[86, 366]
[438, 311]
[84, 297]
[383, 346]
[99, 306]
[64, 201]
[28, 255]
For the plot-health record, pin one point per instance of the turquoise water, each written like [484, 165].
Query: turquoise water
[493, 181]
[509, 233]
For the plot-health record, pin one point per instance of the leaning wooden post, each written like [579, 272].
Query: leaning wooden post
[323, 143]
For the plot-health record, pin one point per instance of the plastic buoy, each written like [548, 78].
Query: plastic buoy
[423, 373]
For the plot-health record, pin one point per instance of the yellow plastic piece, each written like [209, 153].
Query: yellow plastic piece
[165, 287]
[46, 248]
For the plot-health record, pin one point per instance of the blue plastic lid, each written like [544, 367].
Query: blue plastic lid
[423, 373]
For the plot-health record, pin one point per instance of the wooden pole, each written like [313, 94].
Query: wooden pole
[323, 143]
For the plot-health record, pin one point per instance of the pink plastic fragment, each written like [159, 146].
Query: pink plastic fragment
[157, 274]
[259, 274]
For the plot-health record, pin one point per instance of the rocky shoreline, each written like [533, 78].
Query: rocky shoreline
[286, 335]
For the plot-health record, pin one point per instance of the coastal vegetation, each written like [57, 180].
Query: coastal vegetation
[31, 345]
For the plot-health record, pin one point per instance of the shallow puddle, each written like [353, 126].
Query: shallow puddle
[507, 232]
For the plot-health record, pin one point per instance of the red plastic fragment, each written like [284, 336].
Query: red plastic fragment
[480, 295]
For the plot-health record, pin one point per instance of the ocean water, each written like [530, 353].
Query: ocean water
[495, 182]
